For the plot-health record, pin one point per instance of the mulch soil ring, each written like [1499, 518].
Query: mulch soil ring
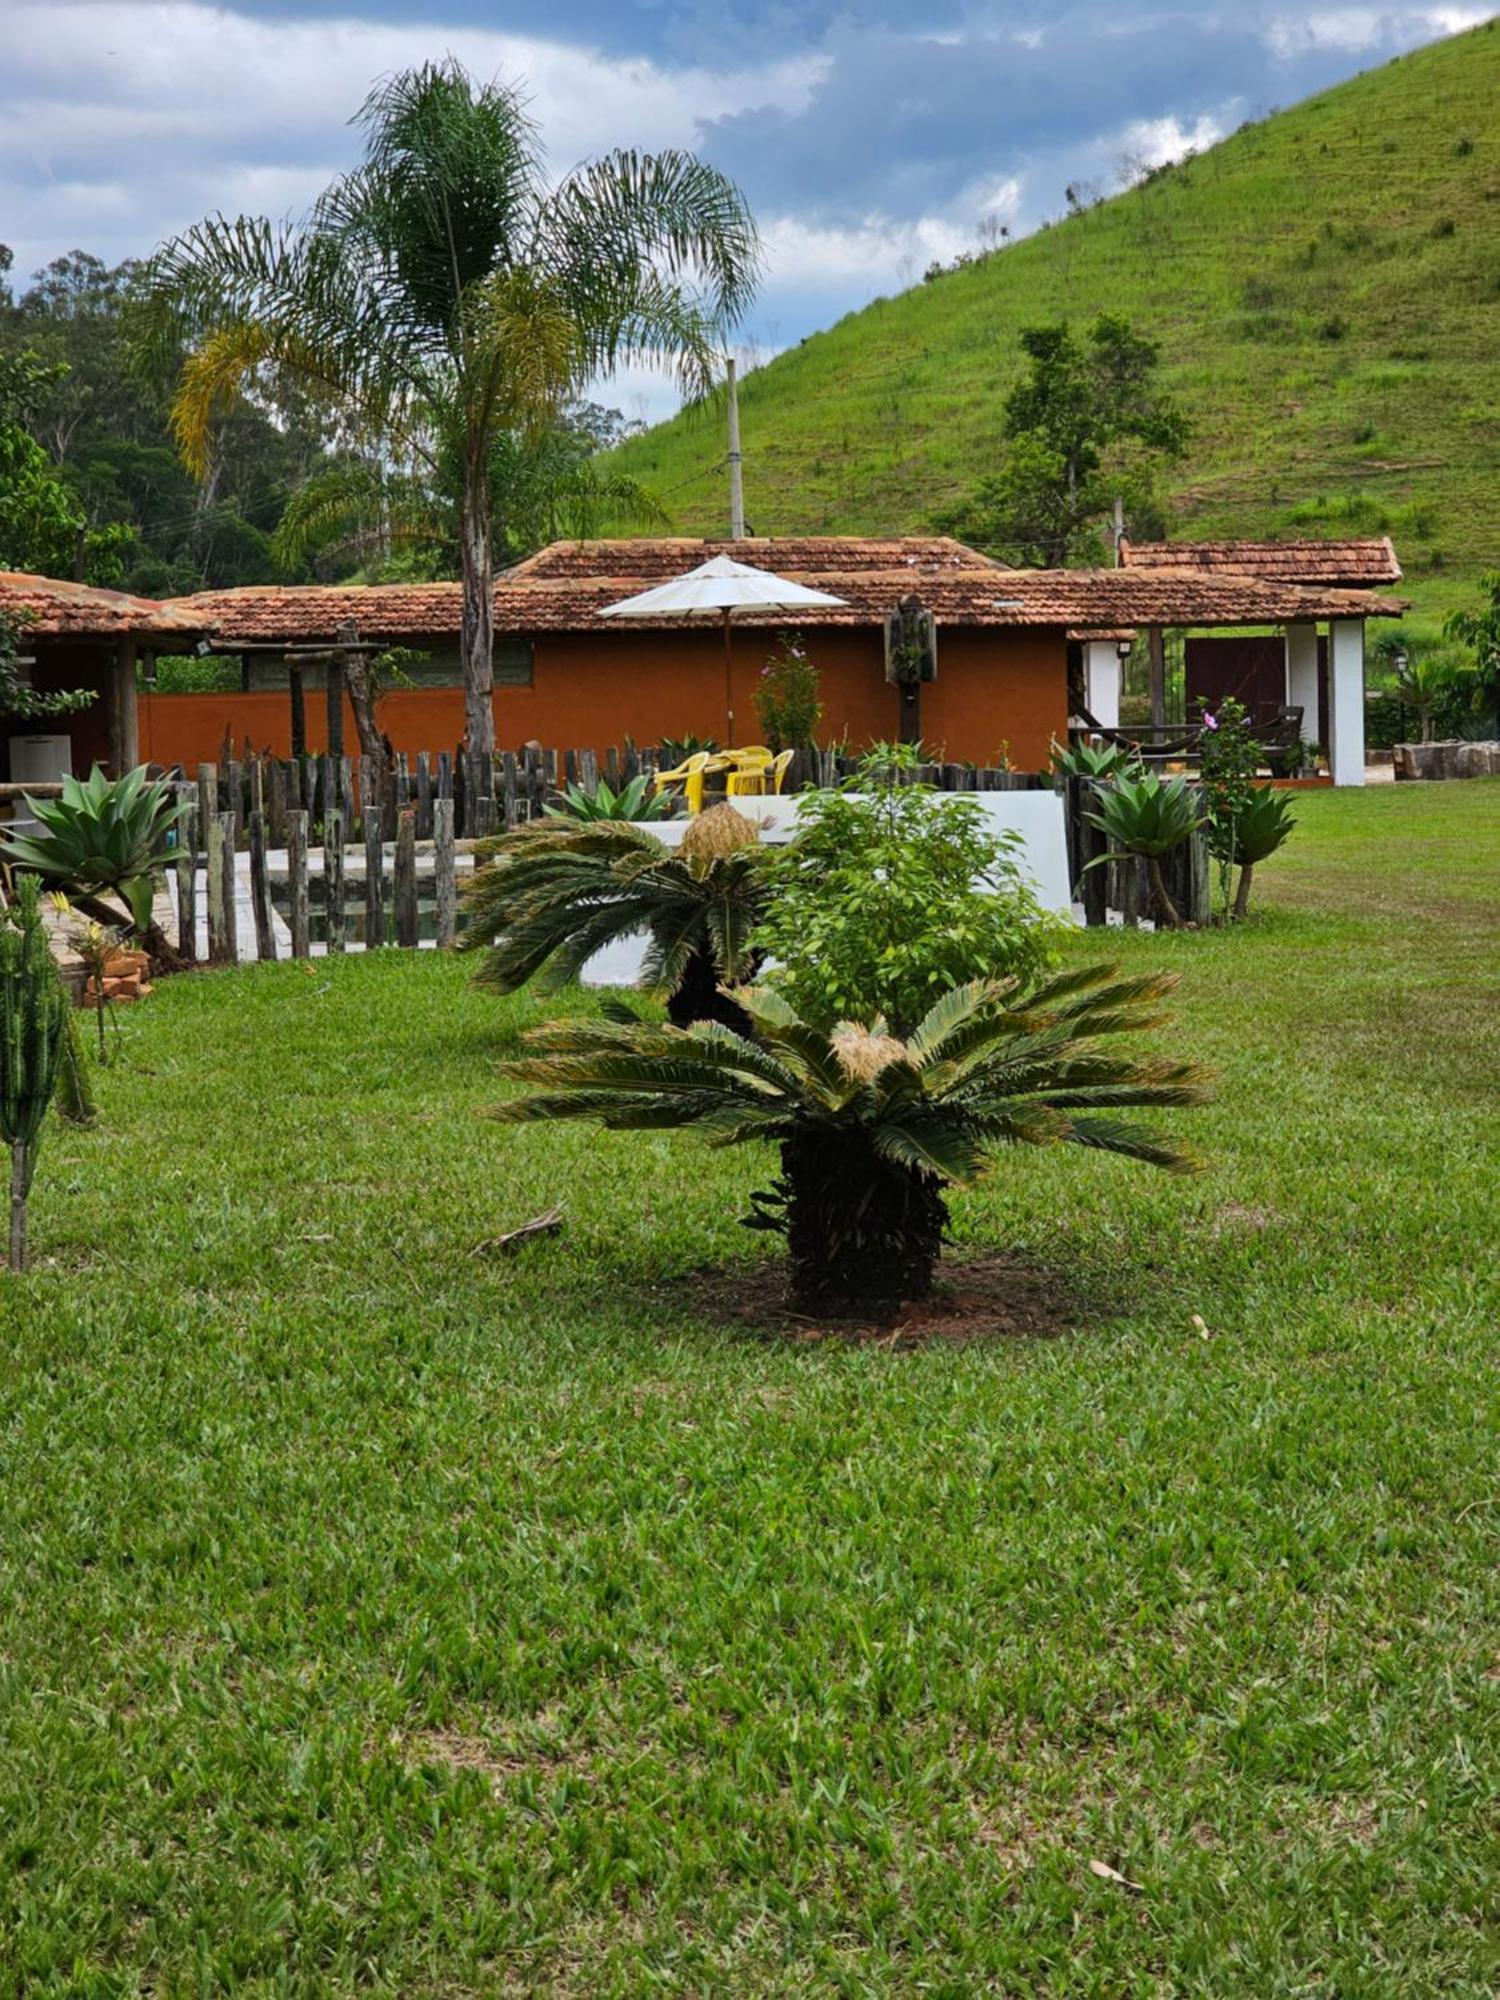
[992, 1296]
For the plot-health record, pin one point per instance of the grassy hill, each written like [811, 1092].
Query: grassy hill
[1326, 288]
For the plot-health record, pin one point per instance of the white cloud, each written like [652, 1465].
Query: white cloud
[183, 108]
[1153, 141]
[1357, 30]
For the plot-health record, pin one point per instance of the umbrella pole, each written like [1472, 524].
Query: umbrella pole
[728, 682]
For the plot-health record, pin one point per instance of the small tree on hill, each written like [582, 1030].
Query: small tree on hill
[1085, 425]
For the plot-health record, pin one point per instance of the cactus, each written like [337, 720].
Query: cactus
[33, 1030]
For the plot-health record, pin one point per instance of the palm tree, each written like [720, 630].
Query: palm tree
[556, 892]
[873, 1128]
[443, 295]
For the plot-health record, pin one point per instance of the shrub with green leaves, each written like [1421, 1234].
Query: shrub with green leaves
[103, 837]
[890, 894]
[788, 704]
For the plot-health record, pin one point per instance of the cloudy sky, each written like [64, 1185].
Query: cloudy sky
[871, 136]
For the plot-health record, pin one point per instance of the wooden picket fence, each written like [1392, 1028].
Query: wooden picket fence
[321, 898]
[336, 856]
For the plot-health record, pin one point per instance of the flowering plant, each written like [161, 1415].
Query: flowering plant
[787, 700]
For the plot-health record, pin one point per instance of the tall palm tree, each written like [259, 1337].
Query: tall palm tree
[873, 1127]
[444, 294]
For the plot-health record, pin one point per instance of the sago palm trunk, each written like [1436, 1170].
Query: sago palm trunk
[1242, 894]
[864, 1235]
[478, 637]
[696, 997]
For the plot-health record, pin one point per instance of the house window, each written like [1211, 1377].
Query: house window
[513, 663]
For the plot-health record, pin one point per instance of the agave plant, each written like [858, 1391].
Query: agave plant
[556, 893]
[103, 837]
[634, 801]
[1260, 827]
[872, 1128]
[1150, 816]
[1099, 761]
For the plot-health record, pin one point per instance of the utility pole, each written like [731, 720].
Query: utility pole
[736, 457]
[1117, 529]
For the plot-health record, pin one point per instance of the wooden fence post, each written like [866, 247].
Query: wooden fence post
[445, 868]
[187, 880]
[296, 868]
[406, 879]
[208, 798]
[424, 796]
[234, 803]
[223, 925]
[374, 880]
[333, 878]
[260, 889]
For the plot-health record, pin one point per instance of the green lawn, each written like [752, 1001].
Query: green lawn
[376, 1615]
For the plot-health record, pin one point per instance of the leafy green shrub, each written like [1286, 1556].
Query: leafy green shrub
[1148, 815]
[633, 801]
[890, 894]
[787, 701]
[1228, 760]
[872, 1126]
[103, 837]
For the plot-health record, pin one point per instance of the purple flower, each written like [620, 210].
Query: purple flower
[1209, 721]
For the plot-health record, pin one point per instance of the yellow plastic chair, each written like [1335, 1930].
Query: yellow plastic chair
[746, 769]
[689, 774]
[755, 780]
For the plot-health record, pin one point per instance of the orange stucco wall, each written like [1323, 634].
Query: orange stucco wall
[994, 691]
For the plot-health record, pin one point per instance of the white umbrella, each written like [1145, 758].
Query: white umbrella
[719, 588]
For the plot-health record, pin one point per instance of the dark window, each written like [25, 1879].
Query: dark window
[513, 663]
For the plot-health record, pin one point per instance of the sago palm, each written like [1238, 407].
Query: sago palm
[444, 294]
[872, 1128]
[556, 892]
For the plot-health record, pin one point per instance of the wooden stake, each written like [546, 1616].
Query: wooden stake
[374, 881]
[446, 870]
[406, 879]
[333, 879]
[296, 868]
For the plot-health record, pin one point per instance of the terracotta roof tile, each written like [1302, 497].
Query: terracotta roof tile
[1357, 563]
[50, 606]
[563, 589]
[652, 559]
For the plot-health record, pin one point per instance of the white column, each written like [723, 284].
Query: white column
[1101, 667]
[1346, 700]
[1302, 676]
